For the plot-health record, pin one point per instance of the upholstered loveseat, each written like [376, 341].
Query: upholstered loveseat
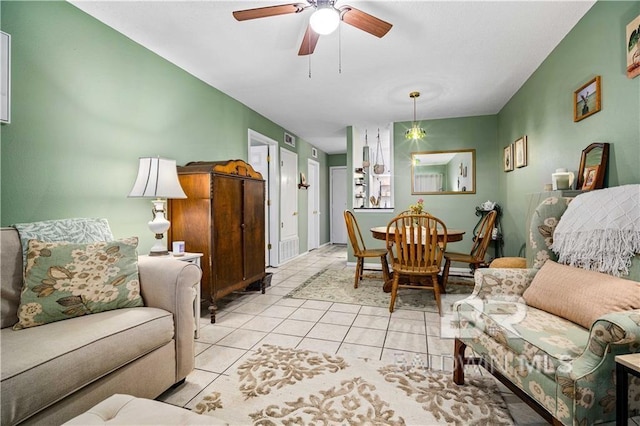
[558, 356]
[55, 371]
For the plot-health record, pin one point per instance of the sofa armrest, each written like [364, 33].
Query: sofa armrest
[169, 284]
[502, 281]
[612, 334]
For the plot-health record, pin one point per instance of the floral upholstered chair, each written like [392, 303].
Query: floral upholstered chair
[563, 364]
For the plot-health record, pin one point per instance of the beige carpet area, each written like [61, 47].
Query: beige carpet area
[336, 285]
[277, 385]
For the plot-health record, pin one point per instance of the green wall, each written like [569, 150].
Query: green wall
[337, 160]
[543, 110]
[87, 102]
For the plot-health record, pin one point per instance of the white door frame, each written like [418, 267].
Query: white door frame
[313, 197]
[273, 203]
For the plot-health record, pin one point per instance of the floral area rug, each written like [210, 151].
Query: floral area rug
[336, 285]
[293, 386]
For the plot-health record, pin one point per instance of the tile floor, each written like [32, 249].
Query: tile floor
[247, 320]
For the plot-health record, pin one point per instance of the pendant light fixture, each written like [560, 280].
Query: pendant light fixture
[415, 132]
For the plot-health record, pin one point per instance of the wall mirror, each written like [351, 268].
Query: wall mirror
[593, 165]
[443, 172]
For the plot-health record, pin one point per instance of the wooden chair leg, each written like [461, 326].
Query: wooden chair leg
[358, 271]
[385, 268]
[445, 274]
[436, 292]
[394, 291]
[458, 362]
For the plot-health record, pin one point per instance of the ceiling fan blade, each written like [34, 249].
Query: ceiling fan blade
[364, 21]
[263, 12]
[309, 42]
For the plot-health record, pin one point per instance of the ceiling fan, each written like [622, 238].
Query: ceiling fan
[324, 20]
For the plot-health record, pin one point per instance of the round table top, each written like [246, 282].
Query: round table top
[453, 235]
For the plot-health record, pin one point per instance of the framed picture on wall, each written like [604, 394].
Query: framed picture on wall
[507, 158]
[520, 152]
[587, 99]
[632, 48]
[5, 77]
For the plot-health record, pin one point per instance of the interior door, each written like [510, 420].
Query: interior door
[259, 160]
[338, 201]
[313, 239]
[289, 195]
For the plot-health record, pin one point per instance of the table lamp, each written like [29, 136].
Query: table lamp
[157, 178]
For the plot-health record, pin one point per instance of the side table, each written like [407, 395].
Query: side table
[625, 365]
[195, 259]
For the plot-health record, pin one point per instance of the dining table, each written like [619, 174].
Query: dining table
[453, 235]
[380, 233]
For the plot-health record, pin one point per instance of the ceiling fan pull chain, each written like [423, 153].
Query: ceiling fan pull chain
[309, 55]
[340, 48]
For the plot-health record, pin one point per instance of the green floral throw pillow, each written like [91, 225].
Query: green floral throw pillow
[65, 280]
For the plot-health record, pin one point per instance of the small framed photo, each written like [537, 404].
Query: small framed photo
[587, 99]
[507, 158]
[314, 152]
[520, 152]
[590, 174]
[633, 48]
[289, 139]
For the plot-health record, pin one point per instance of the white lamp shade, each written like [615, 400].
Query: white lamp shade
[325, 20]
[157, 178]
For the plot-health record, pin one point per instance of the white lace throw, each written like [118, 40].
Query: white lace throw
[600, 230]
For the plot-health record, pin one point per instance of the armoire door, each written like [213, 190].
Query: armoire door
[226, 209]
[254, 254]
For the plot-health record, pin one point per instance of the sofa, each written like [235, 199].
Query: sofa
[53, 372]
[550, 332]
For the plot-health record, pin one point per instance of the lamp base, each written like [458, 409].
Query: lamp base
[159, 225]
[159, 253]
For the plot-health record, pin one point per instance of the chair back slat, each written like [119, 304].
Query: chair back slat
[483, 238]
[355, 236]
[414, 244]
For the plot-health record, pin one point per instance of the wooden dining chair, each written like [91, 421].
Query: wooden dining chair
[416, 253]
[475, 258]
[360, 250]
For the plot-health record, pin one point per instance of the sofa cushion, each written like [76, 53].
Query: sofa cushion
[541, 340]
[74, 230]
[579, 295]
[65, 280]
[41, 365]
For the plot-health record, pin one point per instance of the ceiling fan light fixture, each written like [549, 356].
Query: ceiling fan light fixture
[325, 20]
[415, 132]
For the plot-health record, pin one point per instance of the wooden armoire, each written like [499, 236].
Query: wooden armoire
[223, 217]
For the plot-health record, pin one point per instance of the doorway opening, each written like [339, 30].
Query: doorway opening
[263, 157]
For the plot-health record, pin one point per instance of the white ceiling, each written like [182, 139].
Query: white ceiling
[467, 58]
